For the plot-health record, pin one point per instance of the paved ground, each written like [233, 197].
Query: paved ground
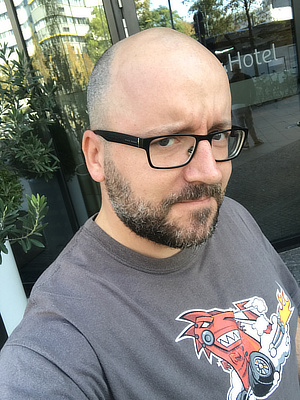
[292, 260]
[265, 178]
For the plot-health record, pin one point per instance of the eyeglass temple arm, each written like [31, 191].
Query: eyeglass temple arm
[119, 138]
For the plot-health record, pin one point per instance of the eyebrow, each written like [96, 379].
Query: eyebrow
[165, 130]
[226, 124]
[173, 129]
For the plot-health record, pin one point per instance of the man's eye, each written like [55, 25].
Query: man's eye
[221, 136]
[165, 142]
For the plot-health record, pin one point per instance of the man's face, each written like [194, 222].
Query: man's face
[176, 207]
[153, 221]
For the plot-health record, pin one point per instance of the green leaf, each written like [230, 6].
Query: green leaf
[31, 223]
[37, 243]
[3, 248]
[23, 244]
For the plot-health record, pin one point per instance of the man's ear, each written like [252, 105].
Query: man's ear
[93, 150]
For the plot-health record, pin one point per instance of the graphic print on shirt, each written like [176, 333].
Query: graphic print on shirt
[247, 344]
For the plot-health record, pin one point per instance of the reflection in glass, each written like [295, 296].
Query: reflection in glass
[64, 38]
[255, 42]
[242, 99]
[164, 13]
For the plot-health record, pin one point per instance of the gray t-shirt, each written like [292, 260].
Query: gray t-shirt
[104, 322]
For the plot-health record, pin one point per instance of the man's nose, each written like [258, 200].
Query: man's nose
[203, 168]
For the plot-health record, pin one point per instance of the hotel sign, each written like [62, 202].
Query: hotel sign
[248, 60]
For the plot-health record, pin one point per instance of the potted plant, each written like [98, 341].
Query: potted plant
[16, 228]
[26, 109]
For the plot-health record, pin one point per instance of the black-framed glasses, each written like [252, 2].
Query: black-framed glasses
[174, 151]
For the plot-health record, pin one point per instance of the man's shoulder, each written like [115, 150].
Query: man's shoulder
[233, 213]
[75, 262]
[231, 205]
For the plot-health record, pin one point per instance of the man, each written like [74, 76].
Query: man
[151, 300]
[243, 96]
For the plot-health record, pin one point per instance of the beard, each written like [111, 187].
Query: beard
[152, 222]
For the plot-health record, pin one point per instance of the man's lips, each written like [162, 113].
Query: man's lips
[197, 194]
[200, 201]
[204, 198]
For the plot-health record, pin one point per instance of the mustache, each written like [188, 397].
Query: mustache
[195, 192]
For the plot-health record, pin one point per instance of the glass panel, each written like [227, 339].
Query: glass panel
[171, 14]
[255, 42]
[63, 38]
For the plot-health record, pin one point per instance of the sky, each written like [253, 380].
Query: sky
[175, 5]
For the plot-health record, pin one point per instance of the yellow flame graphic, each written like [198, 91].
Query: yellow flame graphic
[284, 309]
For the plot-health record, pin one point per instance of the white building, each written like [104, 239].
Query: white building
[275, 10]
[281, 10]
[70, 21]
[6, 31]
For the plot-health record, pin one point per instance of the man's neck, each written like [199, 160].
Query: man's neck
[115, 228]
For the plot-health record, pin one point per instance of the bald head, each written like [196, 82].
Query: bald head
[147, 64]
[156, 83]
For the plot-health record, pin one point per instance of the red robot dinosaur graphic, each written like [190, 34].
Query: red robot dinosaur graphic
[224, 334]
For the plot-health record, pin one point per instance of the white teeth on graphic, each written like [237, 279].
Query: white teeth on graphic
[229, 338]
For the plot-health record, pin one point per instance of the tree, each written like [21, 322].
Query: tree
[77, 67]
[188, 29]
[216, 19]
[244, 11]
[39, 61]
[160, 17]
[144, 14]
[97, 38]
[54, 49]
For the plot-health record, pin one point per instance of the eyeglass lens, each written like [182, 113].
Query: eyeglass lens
[172, 151]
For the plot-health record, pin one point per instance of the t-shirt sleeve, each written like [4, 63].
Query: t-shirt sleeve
[26, 374]
[55, 362]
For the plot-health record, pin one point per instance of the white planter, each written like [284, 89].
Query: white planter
[13, 300]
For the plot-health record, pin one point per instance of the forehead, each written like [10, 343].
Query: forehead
[157, 63]
[165, 81]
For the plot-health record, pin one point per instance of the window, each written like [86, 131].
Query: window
[261, 63]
